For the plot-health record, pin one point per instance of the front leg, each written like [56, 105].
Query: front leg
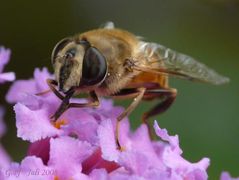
[64, 105]
[52, 83]
[94, 102]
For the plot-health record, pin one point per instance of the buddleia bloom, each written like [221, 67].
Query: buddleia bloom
[4, 77]
[4, 59]
[81, 144]
[4, 157]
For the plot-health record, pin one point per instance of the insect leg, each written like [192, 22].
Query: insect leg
[66, 104]
[52, 83]
[170, 96]
[138, 95]
[43, 92]
[94, 102]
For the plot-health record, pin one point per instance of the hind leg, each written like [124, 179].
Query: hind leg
[169, 97]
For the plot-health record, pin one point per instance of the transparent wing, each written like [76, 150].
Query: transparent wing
[181, 65]
[108, 25]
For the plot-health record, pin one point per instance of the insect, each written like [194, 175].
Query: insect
[113, 62]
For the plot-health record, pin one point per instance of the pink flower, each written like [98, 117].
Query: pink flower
[21, 88]
[4, 157]
[227, 176]
[9, 76]
[81, 144]
[4, 59]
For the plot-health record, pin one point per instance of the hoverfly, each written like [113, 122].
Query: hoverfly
[113, 62]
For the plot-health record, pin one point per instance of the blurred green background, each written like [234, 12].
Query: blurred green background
[205, 117]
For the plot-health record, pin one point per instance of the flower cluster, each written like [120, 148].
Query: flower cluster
[9, 76]
[81, 144]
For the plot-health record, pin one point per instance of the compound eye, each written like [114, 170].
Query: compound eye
[94, 67]
[59, 46]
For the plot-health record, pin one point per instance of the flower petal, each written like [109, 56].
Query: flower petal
[227, 176]
[32, 86]
[19, 89]
[33, 125]
[82, 124]
[107, 141]
[40, 77]
[4, 57]
[31, 168]
[121, 174]
[135, 162]
[99, 174]
[155, 174]
[173, 140]
[67, 154]
[139, 155]
[171, 156]
[4, 158]
[9, 76]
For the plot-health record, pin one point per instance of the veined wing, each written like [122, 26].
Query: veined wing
[181, 65]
